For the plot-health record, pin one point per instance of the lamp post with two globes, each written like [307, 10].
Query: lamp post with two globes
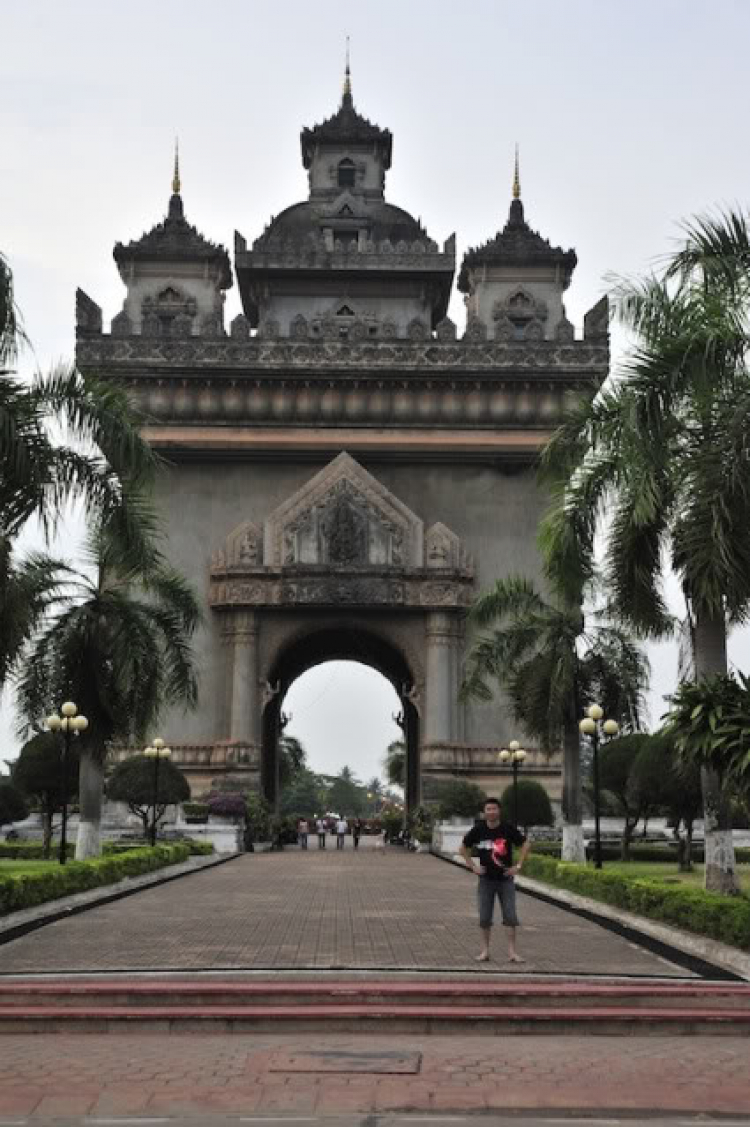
[515, 755]
[156, 751]
[590, 726]
[70, 723]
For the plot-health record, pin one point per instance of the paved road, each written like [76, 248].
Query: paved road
[320, 909]
[209, 1120]
[197, 1076]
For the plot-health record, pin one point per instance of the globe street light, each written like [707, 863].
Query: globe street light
[156, 751]
[590, 726]
[515, 755]
[69, 724]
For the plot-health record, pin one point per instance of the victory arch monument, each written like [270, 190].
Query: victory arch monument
[347, 468]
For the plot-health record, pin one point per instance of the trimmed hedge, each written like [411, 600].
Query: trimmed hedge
[27, 890]
[644, 853]
[32, 850]
[197, 848]
[705, 913]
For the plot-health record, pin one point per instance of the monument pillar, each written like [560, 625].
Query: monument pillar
[242, 635]
[440, 675]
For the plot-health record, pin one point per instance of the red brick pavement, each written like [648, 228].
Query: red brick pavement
[295, 910]
[47, 1074]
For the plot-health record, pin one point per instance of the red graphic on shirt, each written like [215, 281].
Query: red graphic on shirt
[499, 851]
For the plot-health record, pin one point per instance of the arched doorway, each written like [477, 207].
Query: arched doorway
[345, 644]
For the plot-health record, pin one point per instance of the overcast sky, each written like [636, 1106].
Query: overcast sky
[629, 117]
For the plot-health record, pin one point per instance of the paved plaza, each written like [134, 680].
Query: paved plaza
[321, 909]
[193, 1075]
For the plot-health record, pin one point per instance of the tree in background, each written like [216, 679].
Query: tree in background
[395, 763]
[106, 466]
[661, 463]
[292, 759]
[534, 806]
[454, 798]
[132, 781]
[38, 774]
[304, 795]
[119, 648]
[551, 662]
[674, 785]
[347, 796]
[13, 806]
[631, 776]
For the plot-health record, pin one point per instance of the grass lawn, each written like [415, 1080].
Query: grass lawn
[10, 868]
[666, 872]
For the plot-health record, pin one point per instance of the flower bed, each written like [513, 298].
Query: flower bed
[705, 913]
[26, 890]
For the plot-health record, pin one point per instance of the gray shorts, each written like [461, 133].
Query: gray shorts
[505, 890]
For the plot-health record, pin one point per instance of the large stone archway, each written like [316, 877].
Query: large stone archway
[341, 568]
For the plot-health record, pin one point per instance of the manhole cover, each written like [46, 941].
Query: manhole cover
[333, 1061]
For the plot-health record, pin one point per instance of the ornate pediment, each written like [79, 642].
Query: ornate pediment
[344, 518]
[342, 539]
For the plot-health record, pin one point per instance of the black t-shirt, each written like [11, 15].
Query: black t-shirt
[494, 846]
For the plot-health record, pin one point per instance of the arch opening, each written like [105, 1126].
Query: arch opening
[341, 645]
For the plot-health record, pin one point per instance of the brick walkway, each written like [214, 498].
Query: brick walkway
[293, 910]
[120, 1075]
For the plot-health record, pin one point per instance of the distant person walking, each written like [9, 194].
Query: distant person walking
[492, 841]
[356, 831]
[302, 831]
[341, 828]
[320, 828]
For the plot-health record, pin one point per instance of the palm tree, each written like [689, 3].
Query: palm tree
[120, 648]
[551, 663]
[662, 459]
[395, 763]
[108, 468]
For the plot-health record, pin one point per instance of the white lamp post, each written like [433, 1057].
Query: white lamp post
[70, 724]
[590, 726]
[156, 751]
[515, 755]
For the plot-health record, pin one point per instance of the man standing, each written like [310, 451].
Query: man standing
[356, 831]
[320, 827]
[492, 840]
[341, 828]
[302, 832]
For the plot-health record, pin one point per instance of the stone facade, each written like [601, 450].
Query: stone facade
[346, 469]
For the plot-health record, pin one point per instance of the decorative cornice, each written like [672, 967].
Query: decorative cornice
[365, 587]
[585, 358]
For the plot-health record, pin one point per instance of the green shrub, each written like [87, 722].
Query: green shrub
[29, 850]
[705, 913]
[645, 853]
[197, 848]
[27, 890]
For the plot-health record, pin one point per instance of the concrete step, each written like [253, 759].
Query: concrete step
[518, 994]
[427, 1018]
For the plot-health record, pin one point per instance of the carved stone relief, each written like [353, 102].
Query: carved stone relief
[344, 517]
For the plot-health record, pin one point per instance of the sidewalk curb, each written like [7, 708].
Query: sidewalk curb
[17, 924]
[707, 957]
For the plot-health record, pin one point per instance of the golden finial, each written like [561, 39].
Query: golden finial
[347, 74]
[516, 180]
[176, 177]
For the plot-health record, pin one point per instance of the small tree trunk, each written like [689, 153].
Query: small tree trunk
[710, 657]
[91, 787]
[572, 843]
[625, 844]
[47, 815]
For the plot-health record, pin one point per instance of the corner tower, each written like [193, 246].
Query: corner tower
[514, 283]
